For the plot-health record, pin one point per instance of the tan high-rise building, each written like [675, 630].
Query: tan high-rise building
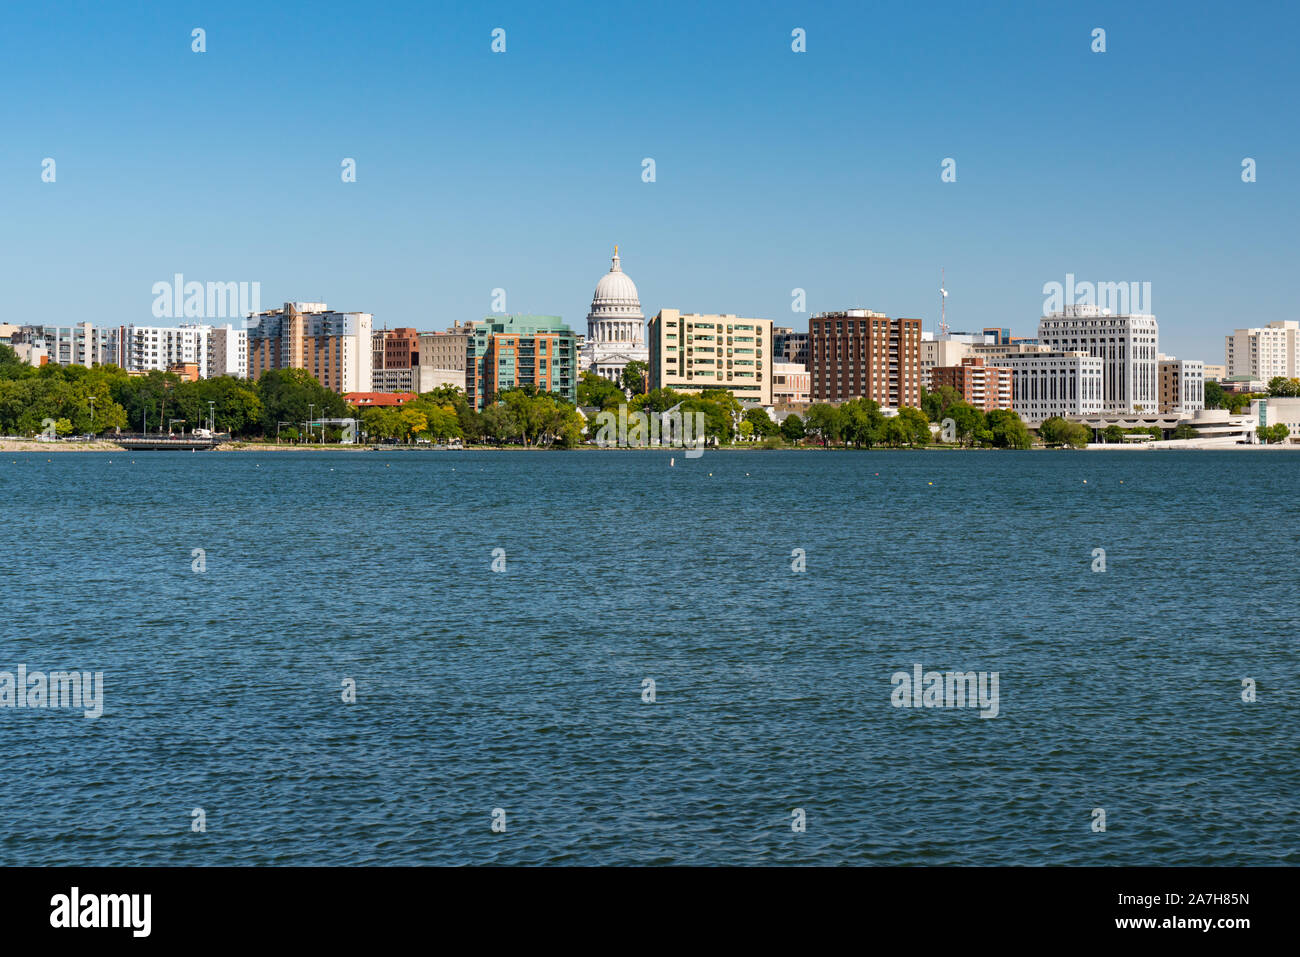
[858, 353]
[335, 347]
[691, 353]
[1264, 352]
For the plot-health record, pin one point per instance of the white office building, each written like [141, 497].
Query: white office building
[1047, 384]
[1127, 346]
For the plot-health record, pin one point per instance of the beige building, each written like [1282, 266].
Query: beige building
[790, 381]
[691, 352]
[1264, 352]
[444, 350]
[942, 352]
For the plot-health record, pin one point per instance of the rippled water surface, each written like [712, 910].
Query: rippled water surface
[522, 690]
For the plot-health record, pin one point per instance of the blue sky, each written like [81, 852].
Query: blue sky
[775, 170]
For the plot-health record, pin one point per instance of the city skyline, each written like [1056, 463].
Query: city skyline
[775, 170]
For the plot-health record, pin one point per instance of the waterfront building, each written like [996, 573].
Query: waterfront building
[1264, 352]
[1126, 344]
[1051, 384]
[983, 386]
[789, 383]
[1212, 426]
[1182, 385]
[79, 344]
[1275, 410]
[335, 347]
[615, 326]
[508, 351]
[142, 349]
[860, 353]
[691, 352]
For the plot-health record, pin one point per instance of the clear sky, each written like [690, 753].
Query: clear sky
[774, 169]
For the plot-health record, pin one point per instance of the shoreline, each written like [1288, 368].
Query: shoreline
[28, 446]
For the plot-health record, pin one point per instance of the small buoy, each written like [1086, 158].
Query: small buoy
[672, 462]
[1085, 481]
[929, 483]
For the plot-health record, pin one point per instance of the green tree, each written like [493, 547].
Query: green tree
[292, 395]
[861, 422]
[595, 391]
[635, 377]
[760, 423]
[825, 422]
[1184, 430]
[967, 420]
[792, 428]
[916, 426]
[1214, 395]
[1058, 431]
[936, 405]
[1008, 431]
[1113, 434]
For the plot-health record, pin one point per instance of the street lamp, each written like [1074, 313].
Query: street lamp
[306, 426]
[212, 417]
[92, 415]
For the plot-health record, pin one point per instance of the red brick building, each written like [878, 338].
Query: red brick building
[858, 353]
[985, 387]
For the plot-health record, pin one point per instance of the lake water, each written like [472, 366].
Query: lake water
[522, 690]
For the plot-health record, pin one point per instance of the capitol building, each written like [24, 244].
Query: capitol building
[615, 326]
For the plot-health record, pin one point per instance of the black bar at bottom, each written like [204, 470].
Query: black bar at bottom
[340, 905]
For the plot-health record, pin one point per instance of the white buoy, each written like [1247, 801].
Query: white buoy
[672, 462]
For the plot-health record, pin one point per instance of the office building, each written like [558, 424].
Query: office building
[1126, 344]
[691, 352]
[1048, 384]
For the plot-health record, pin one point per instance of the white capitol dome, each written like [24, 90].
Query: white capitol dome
[615, 297]
[615, 324]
